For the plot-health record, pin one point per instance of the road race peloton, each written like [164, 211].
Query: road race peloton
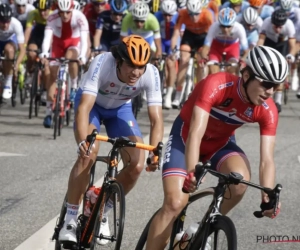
[263, 37]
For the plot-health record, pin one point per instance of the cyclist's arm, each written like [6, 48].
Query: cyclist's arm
[267, 165]
[29, 24]
[97, 38]
[47, 40]
[158, 46]
[212, 31]
[125, 25]
[243, 42]
[174, 39]
[156, 124]
[197, 129]
[292, 46]
[261, 39]
[20, 40]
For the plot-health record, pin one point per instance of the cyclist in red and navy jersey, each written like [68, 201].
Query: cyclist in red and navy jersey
[205, 127]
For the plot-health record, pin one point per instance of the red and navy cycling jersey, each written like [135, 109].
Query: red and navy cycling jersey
[220, 95]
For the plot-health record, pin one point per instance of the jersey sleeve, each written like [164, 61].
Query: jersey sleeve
[291, 31]
[265, 26]
[179, 21]
[30, 19]
[125, 25]
[154, 26]
[99, 23]
[151, 81]
[18, 30]
[212, 31]
[267, 118]
[91, 81]
[243, 38]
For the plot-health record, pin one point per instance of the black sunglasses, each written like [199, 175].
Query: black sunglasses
[194, 14]
[21, 5]
[139, 21]
[68, 12]
[267, 85]
[226, 26]
[117, 14]
[168, 15]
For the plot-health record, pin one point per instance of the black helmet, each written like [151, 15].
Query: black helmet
[5, 12]
[42, 4]
[279, 17]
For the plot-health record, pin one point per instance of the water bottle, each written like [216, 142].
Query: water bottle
[188, 235]
[177, 239]
[90, 199]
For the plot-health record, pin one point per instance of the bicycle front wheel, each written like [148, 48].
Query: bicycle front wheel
[56, 113]
[104, 238]
[221, 236]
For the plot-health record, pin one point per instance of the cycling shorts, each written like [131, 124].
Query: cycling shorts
[37, 35]
[280, 46]
[217, 48]
[118, 122]
[60, 47]
[195, 41]
[12, 39]
[174, 158]
[105, 45]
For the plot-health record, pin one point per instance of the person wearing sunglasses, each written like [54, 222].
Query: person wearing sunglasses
[237, 5]
[167, 17]
[108, 26]
[104, 94]
[197, 21]
[68, 30]
[264, 10]
[20, 10]
[279, 33]
[140, 21]
[34, 36]
[220, 104]
[11, 41]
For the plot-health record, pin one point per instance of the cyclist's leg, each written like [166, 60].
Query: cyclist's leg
[9, 53]
[73, 53]
[174, 173]
[232, 56]
[200, 71]
[231, 158]
[214, 55]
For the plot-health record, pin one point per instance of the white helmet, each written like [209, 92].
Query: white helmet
[250, 15]
[21, 2]
[140, 11]
[286, 4]
[181, 4]
[268, 64]
[65, 5]
[145, 1]
[169, 7]
[76, 5]
[194, 6]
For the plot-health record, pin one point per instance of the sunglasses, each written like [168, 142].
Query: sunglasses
[21, 5]
[193, 14]
[5, 21]
[226, 26]
[278, 26]
[99, 4]
[267, 85]
[67, 12]
[117, 14]
[168, 15]
[139, 21]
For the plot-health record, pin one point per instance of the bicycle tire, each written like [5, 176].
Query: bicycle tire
[14, 93]
[223, 223]
[285, 95]
[60, 124]
[33, 94]
[37, 105]
[56, 113]
[178, 223]
[135, 106]
[22, 95]
[114, 188]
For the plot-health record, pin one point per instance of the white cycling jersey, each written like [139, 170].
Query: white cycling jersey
[15, 28]
[287, 31]
[238, 34]
[101, 80]
[257, 25]
[77, 27]
[21, 17]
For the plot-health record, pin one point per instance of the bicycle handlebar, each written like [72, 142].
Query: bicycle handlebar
[120, 142]
[236, 178]
[222, 64]
[62, 59]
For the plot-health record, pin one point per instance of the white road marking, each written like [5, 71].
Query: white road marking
[3, 154]
[299, 158]
[41, 240]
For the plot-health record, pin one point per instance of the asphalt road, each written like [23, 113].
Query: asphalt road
[35, 170]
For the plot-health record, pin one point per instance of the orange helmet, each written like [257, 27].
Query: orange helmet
[256, 3]
[135, 49]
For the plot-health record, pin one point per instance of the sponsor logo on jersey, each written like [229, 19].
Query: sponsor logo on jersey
[131, 88]
[95, 73]
[232, 112]
[225, 85]
[168, 149]
[265, 105]
[249, 112]
[227, 102]
[112, 85]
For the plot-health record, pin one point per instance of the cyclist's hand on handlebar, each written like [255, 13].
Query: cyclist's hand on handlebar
[242, 63]
[82, 149]
[267, 207]
[152, 162]
[202, 62]
[290, 58]
[190, 183]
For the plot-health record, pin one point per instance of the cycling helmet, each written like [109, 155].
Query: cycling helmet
[5, 12]
[227, 16]
[286, 4]
[236, 2]
[250, 15]
[267, 64]
[82, 3]
[145, 1]
[169, 7]
[134, 49]
[256, 3]
[181, 4]
[42, 4]
[118, 6]
[21, 2]
[194, 6]
[76, 5]
[140, 11]
[65, 5]
[279, 17]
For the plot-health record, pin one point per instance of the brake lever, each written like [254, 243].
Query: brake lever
[90, 139]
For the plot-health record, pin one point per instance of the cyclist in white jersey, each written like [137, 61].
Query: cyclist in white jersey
[68, 28]
[11, 40]
[105, 95]
[228, 36]
[279, 33]
[20, 10]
